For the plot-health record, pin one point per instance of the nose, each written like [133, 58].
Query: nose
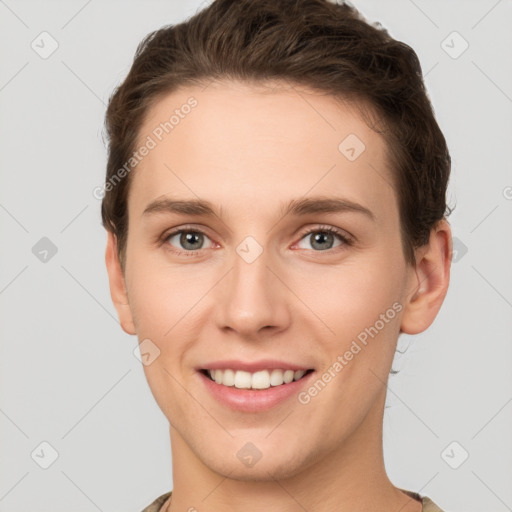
[252, 299]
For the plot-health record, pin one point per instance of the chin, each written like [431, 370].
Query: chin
[278, 466]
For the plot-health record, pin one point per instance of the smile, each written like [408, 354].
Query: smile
[262, 379]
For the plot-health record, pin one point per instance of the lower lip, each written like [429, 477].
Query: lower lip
[250, 400]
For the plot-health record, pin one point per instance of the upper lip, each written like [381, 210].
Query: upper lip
[253, 366]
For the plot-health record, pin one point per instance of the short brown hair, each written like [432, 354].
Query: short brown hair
[327, 47]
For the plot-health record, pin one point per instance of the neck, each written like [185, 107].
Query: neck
[352, 477]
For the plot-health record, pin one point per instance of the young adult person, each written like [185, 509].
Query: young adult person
[276, 217]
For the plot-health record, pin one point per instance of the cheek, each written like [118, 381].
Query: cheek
[164, 304]
[162, 296]
[352, 296]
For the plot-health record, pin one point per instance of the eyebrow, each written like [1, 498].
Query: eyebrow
[296, 207]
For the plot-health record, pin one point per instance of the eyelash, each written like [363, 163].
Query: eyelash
[346, 240]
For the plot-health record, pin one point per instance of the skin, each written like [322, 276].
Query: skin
[248, 149]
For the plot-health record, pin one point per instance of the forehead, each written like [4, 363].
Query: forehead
[262, 141]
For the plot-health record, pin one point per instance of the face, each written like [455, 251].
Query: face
[263, 236]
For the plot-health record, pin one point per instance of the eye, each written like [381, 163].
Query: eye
[323, 238]
[188, 240]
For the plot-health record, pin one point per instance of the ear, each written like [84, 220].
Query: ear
[117, 285]
[429, 280]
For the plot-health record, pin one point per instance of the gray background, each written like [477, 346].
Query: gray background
[68, 375]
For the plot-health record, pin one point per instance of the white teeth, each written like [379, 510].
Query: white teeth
[288, 376]
[262, 379]
[299, 374]
[242, 379]
[276, 378]
[228, 378]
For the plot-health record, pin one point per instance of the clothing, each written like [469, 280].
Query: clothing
[157, 504]
[428, 504]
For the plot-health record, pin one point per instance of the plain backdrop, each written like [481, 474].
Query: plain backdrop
[68, 375]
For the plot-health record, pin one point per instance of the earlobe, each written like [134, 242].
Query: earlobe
[429, 281]
[117, 285]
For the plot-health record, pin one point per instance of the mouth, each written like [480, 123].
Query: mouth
[259, 380]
